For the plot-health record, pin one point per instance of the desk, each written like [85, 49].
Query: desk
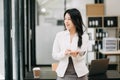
[113, 53]
[110, 75]
[46, 73]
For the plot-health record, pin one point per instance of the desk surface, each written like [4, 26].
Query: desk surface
[110, 75]
[44, 75]
[110, 52]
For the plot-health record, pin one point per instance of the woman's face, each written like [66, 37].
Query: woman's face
[68, 22]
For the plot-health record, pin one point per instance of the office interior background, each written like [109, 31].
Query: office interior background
[48, 21]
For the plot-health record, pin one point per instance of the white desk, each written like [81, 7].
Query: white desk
[113, 53]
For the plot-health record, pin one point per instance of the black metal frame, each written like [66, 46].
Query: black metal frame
[8, 40]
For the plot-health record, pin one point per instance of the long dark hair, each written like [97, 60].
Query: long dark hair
[77, 21]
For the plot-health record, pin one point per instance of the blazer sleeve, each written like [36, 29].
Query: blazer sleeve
[57, 54]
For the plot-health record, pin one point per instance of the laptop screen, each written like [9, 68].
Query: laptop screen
[98, 66]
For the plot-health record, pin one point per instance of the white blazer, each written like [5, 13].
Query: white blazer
[61, 43]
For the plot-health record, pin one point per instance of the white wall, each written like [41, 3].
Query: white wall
[112, 7]
[45, 34]
[1, 42]
[1, 52]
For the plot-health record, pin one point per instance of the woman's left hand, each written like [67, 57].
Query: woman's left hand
[74, 53]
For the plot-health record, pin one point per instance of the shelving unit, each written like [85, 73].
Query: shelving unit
[94, 9]
[104, 26]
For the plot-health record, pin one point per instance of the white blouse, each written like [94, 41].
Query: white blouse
[61, 44]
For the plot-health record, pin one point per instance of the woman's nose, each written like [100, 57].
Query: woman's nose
[66, 21]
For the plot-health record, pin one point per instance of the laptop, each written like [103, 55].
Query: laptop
[98, 66]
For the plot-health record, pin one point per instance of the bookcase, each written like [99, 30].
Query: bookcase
[104, 26]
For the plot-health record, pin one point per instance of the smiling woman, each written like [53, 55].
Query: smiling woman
[70, 47]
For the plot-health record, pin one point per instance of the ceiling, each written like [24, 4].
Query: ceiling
[51, 7]
[51, 3]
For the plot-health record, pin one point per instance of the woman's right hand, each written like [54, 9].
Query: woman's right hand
[67, 52]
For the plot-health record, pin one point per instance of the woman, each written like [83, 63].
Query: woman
[70, 48]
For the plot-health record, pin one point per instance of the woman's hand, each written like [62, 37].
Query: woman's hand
[74, 53]
[67, 52]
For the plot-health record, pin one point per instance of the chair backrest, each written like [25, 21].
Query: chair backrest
[54, 66]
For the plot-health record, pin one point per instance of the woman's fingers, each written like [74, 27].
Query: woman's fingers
[74, 53]
[67, 52]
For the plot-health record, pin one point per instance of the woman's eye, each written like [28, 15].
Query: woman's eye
[67, 19]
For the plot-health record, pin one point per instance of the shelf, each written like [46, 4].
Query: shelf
[103, 21]
[103, 27]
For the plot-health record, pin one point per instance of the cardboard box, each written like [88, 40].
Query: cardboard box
[95, 9]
